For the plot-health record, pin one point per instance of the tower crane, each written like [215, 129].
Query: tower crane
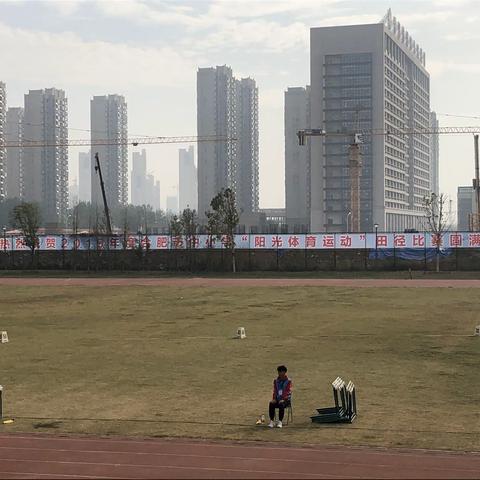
[134, 141]
[355, 161]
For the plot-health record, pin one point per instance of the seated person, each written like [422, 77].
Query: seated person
[282, 393]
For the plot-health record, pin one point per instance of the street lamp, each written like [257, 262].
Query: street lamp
[376, 240]
[349, 218]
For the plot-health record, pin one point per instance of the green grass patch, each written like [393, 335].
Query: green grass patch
[162, 361]
[382, 274]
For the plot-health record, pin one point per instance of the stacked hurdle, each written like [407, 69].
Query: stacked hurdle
[345, 409]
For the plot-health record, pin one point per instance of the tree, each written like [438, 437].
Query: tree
[176, 230]
[223, 220]
[437, 220]
[26, 217]
[188, 220]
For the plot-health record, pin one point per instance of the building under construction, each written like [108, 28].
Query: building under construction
[364, 77]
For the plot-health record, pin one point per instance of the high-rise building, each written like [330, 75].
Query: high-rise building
[85, 177]
[145, 191]
[3, 153]
[73, 194]
[172, 204]
[45, 167]
[297, 160]
[187, 179]
[14, 160]
[152, 192]
[139, 176]
[247, 192]
[465, 207]
[156, 196]
[365, 76]
[227, 107]
[434, 156]
[108, 119]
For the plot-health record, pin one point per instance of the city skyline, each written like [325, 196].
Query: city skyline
[274, 65]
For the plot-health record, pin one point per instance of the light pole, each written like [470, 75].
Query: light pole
[376, 240]
[349, 218]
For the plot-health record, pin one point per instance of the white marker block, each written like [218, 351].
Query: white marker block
[477, 330]
[4, 337]
[241, 332]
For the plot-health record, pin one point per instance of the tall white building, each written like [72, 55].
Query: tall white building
[227, 107]
[297, 160]
[365, 76]
[248, 152]
[3, 117]
[14, 159]
[84, 177]
[138, 177]
[108, 119]
[187, 179]
[45, 167]
[434, 156]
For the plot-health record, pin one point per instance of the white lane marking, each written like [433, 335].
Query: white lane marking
[175, 467]
[363, 450]
[194, 455]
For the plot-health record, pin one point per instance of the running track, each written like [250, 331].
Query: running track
[35, 456]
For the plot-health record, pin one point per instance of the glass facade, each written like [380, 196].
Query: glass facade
[347, 99]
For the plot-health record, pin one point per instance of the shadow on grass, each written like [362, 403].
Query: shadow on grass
[53, 424]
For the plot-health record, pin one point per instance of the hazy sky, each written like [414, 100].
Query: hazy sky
[149, 51]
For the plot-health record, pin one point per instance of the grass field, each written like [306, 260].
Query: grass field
[394, 274]
[162, 361]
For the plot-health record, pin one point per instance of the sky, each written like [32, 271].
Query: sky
[149, 51]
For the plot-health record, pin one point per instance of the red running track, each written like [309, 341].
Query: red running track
[36, 456]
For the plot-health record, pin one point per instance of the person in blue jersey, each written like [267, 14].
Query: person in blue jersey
[282, 394]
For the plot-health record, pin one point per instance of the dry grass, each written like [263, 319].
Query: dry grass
[162, 361]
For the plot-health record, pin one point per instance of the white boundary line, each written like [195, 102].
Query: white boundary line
[226, 457]
[175, 467]
[419, 453]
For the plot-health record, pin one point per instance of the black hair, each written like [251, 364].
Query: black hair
[282, 368]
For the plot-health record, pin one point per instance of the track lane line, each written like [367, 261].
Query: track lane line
[226, 457]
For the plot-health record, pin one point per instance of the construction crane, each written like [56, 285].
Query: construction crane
[134, 141]
[355, 159]
[98, 169]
